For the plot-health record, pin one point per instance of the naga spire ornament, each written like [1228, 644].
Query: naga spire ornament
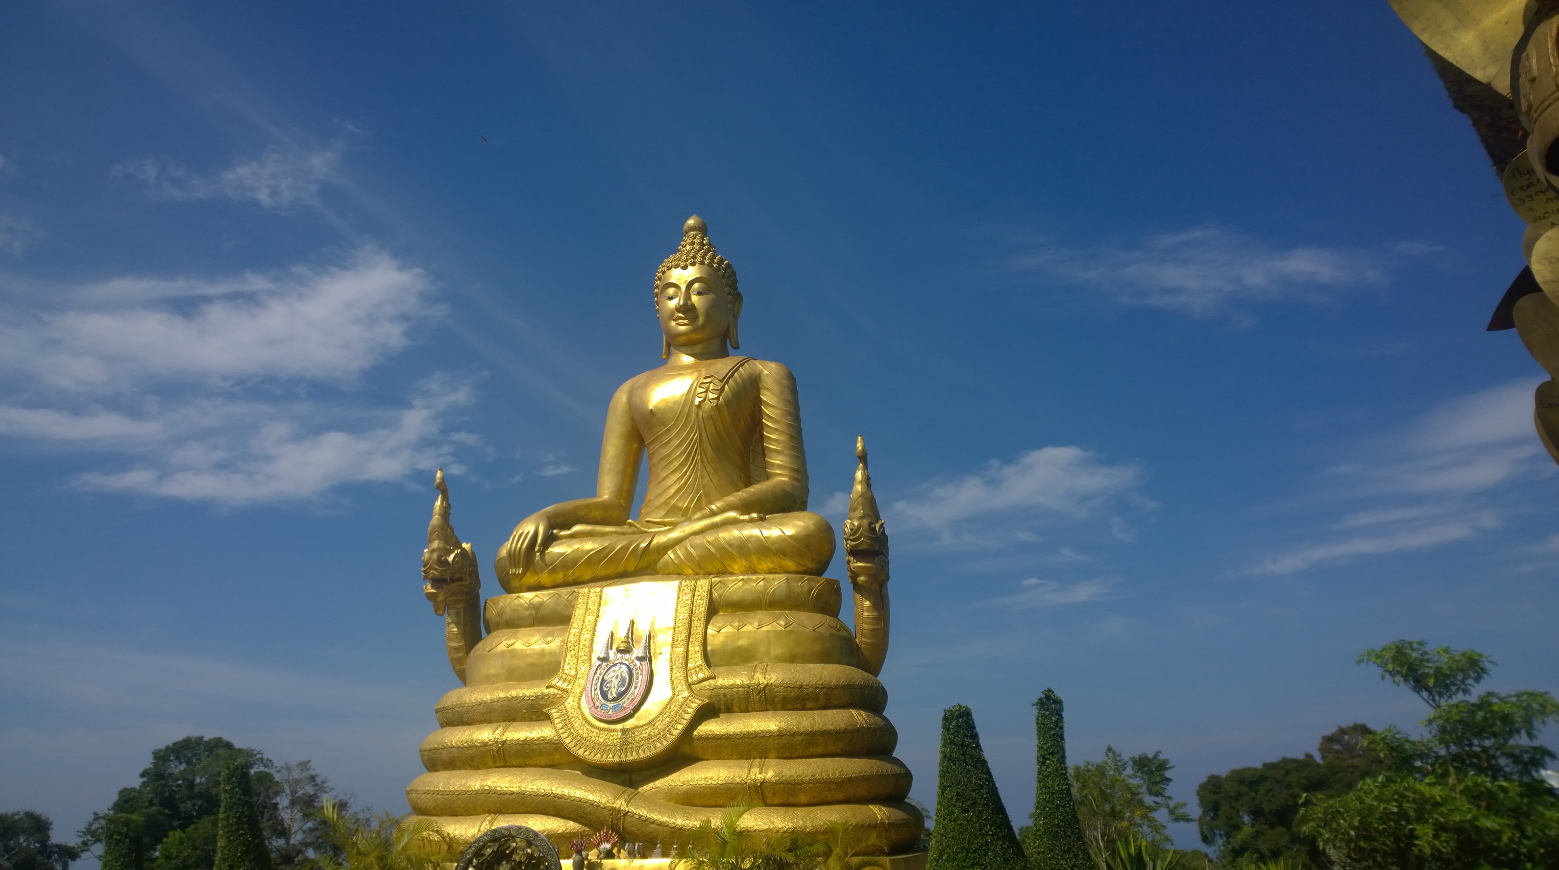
[451, 581]
[865, 534]
[866, 561]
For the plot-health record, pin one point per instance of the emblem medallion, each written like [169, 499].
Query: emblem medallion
[620, 679]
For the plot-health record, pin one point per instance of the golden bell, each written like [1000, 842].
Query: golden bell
[1537, 322]
[1546, 416]
[1536, 92]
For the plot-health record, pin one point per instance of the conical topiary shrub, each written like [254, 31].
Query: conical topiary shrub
[240, 844]
[123, 846]
[1055, 839]
[972, 829]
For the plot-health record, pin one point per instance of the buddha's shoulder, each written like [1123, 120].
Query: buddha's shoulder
[655, 376]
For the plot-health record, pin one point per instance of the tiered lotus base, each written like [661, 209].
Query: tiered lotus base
[792, 727]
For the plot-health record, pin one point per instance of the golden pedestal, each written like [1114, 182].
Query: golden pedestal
[756, 696]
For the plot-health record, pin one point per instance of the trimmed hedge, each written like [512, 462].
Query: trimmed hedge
[240, 843]
[124, 847]
[1055, 839]
[972, 831]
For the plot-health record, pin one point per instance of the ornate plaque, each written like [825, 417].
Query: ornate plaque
[621, 676]
[626, 705]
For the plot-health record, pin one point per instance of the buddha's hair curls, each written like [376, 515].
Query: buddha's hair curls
[697, 250]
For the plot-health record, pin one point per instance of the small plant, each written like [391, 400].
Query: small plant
[1135, 853]
[727, 847]
[840, 847]
[580, 845]
[382, 842]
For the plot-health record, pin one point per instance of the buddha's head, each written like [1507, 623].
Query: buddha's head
[695, 293]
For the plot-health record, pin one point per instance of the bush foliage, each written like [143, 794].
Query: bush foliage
[1054, 839]
[240, 842]
[973, 831]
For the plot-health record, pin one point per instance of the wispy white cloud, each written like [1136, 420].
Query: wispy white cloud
[1429, 485]
[286, 458]
[280, 178]
[180, 377]
[1067, 482]
[1415, 538]
[1385, 515]
[836, 505]
[1036, 593]
[1122, 530]
[93, 679]
[17, 234]
[552, 466]
[326, 324]
[1207, 270]
[92, 424]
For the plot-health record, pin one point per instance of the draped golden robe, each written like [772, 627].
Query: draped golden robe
[732, 442]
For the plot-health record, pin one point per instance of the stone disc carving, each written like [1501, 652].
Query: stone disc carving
[511, 847]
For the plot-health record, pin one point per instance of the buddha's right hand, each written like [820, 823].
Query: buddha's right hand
[690, 528]
[527, 543]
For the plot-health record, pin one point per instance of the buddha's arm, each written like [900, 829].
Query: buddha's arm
[621, 450]
[784, 459]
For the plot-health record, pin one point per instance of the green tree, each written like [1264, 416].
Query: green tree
[26, 843]
[1466, 795]
[1248, 814]
[240, 842]
[124, 844]
[1054, 838]
[193, 848]
[1118, 799]
[973, 831]
[180, 793]
[180, 787]
[290, 805]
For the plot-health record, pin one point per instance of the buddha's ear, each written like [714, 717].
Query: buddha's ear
[730, 331]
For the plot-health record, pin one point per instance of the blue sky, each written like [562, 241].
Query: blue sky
[1163, 323]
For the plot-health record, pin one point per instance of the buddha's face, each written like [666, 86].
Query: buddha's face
[693, 306]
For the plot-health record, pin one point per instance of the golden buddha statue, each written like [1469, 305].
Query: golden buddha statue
[643, 674]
